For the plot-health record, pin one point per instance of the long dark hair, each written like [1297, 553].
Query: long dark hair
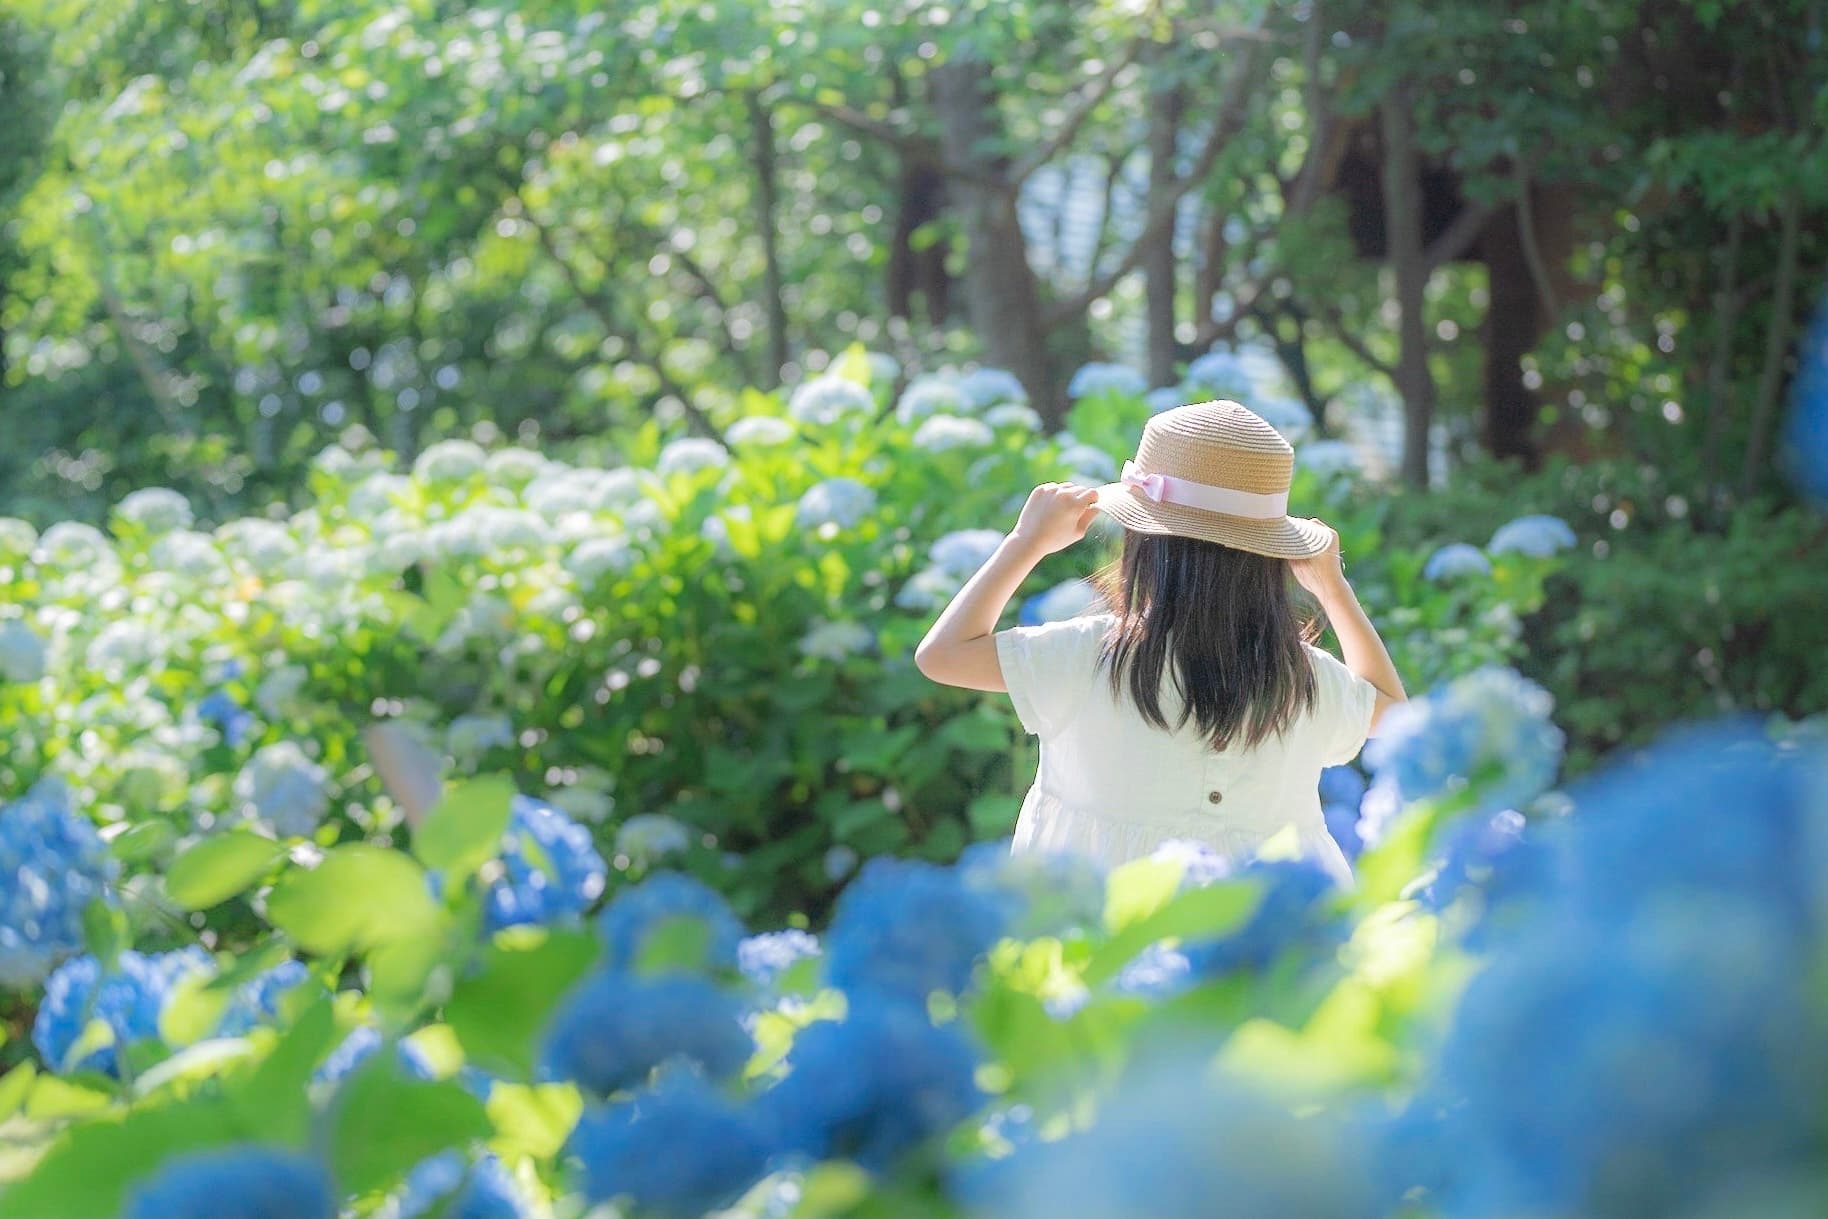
[1224, 619]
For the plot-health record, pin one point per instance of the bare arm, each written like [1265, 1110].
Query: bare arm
[1364, 649]
[960, 648]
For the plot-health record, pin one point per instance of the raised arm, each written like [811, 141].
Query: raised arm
[1364, 650]
[960, 648]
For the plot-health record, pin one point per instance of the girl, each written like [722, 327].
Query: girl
[1195, 708]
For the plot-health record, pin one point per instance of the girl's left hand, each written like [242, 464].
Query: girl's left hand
[1056, 515]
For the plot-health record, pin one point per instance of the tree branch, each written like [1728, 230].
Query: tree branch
[1459, 236]
[1532, 250]
[1082, 109]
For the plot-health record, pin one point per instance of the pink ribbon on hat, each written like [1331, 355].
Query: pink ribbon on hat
[1167, 489]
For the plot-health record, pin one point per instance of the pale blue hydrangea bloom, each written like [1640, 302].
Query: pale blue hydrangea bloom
[1167, 398]
[1013, 415]
[128, 998]
[277, 695]
[840, 861]
[256, 1001]
[637, 913]
[22, 652]
[54, 864]
[470, 736]
[843, 502]
[764, 958]
[515, 467]
[691, 454]
[837, 641]
[825, 400]
[450, 461]
[927, 589]
[1327, 458]
[648, 837]
[1454, 561]
[1104, 378]
[283, 788]
[987, 387]
[1538, 536]
[156, 510]
[940, 433]
[885, 369]
[556, 881]
[595, 557]
[759, 431]
[961, 552]
[244, 1180]
[1222, 373]
[1289, 417]
[450, 1186]
[1068, 599]
[931, 395]
[1090, 462]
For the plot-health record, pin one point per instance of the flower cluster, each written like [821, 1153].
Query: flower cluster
[1099, 378]
[127, 997]
[1537, 536]
[53, 864]
[1456, 561]
[252, 1179]
[284, 789]
[843, 502]
[823, 401]
[905, 929]
[551, 870]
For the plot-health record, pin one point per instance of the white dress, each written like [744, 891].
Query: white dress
[1112, 787]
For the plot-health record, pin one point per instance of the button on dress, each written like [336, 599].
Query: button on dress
[1112, 787]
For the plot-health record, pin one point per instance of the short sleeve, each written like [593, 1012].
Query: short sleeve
[1342, 711]
[1048, 669]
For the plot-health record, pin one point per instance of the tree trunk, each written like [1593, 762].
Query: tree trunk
[1158, 260]
[918, 273]
[1513, 324]
[761, 143]
[1777, 341]
[1403, 238]
[1003, 298]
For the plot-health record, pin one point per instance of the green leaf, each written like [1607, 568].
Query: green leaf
[199, 1061]
[272, 1099]
[219, 867]
[532, 1120]
[674, 945]
[359, 897]
[143, 841]
[1203, 913]
[1137, 889]
[15, 1087]
[105, 931]
[463, 830]
[499, 1009]
[86, 1172]
[384, 1122]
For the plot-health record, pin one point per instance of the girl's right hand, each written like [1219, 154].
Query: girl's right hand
[1321, 574]
[1056, 515]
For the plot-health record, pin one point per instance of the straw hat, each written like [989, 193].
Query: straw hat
[1217, 472]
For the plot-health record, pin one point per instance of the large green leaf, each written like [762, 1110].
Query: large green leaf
[463, 830]
[498, 1009]
[86, 1172]
[219, 867]
[384, 1122]
[360, 896]
[1202, 913]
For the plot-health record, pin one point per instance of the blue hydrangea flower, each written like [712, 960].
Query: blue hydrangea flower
[927, 589]
[843, 502]
[1293, 913]
[873, 1086]
[960, 553]
[906, 928]
[1327, 458]
[54, 865]
[1341, 785]
[759, 432]
[647, 837]
[1201, 864]
[691, 454]
[931, 395]
[1068, 599]
[1456, 561]
[238, 1181]
[1174, 1141]
[22, 652]
[1012, 415]
[1100, 378]
[1221, 372]
[837, 641]
[128, 998]
[1290, 418]
[1157, 972]
[1489, 728]
[1167, 398]
[823, 401]
[459, 1190]
[984, 388]
[1342, 825]
[678, 1148]
[563, 879]
[764, 958]
[1806, 431]
[284, 788]
[1089, 464]
[231, 719]
[1539, 536]
[361, 1044]
[256, 1001]
[637, 912]
[939, 433]
[1045, 892]
[840, 861]
[613, 1028]
[1470, 848]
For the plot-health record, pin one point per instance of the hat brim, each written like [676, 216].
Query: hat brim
[1282, 537]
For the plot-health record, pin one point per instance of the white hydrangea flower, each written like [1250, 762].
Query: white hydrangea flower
[582, 803]
[378, 493]
[22, 652]
[147, 779]
[123, 645]
[284, 788]
[928, 589]
[1013, 415]
[277, 695]
[716, 528]
[470, 736]
[72, 544]
[1090, 463]
[825, 400]
[940, 433]
[961, 552]
[266, 546]
[484, 618]
[156, 510]
[450, 461]
[836, 641]
[885, 369]
[760, 432]
[691, 454]
[930, 396]
[987, 387]
[17, 538]
[1327, 457]
[485, 531]
[843, 502]
[515, 467]
[190, 554]
[648, 837]
[592, 558]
